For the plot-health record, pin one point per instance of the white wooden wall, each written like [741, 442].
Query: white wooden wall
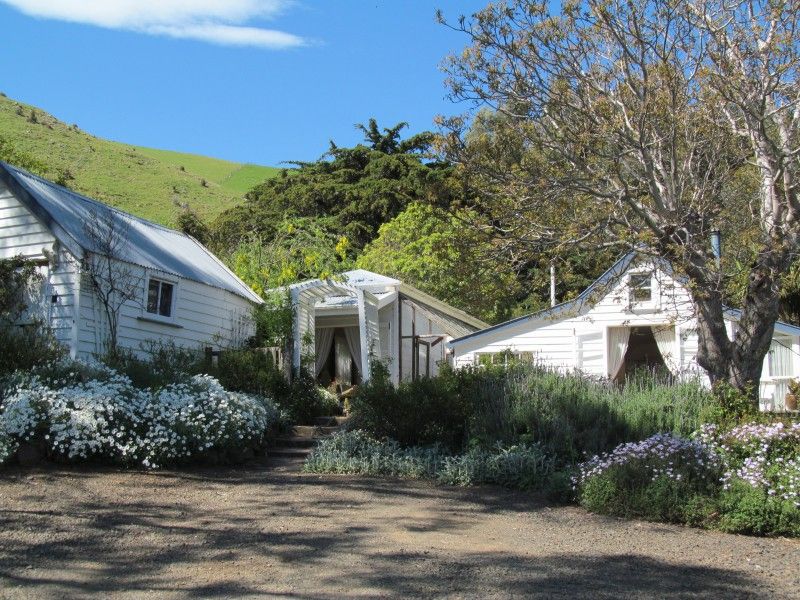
[20, 231]
[579, 339]
[203, 316]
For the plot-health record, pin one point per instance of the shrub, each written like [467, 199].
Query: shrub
[31, 345]
[730, 406]
[306, 400]
[87, 411]
[662, 478]
[522, 466]
[251, 371]
[160, 363]
[570, 415]
[752, 510]
[416, 413]
[357, 452]
[25, 349]
[762, 477]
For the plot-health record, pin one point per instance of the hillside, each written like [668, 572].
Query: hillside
[144, 181]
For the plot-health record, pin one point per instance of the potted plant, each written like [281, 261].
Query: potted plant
[790, 402]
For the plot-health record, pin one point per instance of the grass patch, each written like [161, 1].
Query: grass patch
[142, 181]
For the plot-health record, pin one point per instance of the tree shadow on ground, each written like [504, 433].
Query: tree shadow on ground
[252, 532]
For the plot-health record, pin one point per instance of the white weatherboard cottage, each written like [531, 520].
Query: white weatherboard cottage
[187, 296]
[637, 314]
[347, 322]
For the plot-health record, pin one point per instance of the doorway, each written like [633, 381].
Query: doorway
[642, 356]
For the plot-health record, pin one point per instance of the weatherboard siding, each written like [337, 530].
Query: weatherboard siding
[579, 339]
[202, 316]
[21, 233]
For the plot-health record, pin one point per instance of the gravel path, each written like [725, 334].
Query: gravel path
[257, 532]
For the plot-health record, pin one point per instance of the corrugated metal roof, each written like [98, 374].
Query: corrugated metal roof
[146, 244]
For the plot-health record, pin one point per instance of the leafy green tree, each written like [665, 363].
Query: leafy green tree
[638, 114]
[190, 223]
[441, 255]
[301, 248]
[359, 188]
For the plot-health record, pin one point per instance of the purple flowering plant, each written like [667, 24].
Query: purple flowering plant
[764, 456]
[660, 456]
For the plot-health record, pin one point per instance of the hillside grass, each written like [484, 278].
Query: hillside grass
[144, 181]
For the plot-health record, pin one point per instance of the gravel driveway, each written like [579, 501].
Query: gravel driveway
[258, 531]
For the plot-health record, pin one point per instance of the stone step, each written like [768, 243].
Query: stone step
[285, 464]
[288, 452]
[294, 441]
[331, 421]
[313, 431]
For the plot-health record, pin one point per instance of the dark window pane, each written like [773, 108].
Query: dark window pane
[152, 296]
[165, 306]
[640, 288]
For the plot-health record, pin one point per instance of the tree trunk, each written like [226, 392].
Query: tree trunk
[739, 361]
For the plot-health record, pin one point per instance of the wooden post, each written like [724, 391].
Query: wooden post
[362, 331]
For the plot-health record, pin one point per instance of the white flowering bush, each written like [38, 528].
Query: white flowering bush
[83, 411]
[764, 456]
[761, 481]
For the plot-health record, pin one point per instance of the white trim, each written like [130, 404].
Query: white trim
[146, 315]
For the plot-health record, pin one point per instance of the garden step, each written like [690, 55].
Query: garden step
[284, 452]
[295, 441]
[331, 421]
[313, 431]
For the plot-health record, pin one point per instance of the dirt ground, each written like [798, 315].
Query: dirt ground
[262, 532]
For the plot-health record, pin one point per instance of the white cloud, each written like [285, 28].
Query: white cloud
[216, 21]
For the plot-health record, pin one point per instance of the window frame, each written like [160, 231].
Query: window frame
[504, 357]
[632, 289]
[157, 316]
[785, 342]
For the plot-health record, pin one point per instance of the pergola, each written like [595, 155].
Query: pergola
[304, 298]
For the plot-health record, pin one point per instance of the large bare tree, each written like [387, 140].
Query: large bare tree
[636, 114]
[114, 281]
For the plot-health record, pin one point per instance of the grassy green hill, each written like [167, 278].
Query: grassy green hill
[143, 181]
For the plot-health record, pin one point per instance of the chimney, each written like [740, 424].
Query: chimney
[552, 284]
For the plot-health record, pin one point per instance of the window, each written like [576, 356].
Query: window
[641, 289]
[159, 297]
[504, 357]
[780, 357]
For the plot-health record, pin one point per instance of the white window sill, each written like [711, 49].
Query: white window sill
[160, 321]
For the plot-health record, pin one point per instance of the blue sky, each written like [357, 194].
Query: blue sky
[257, 81]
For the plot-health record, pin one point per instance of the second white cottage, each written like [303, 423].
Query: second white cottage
[636, 315]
